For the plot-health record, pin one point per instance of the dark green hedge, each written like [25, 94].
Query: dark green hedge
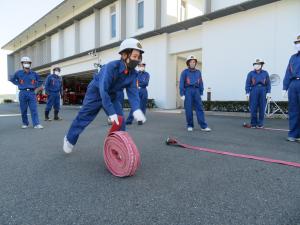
[8, 101]
[236, 106]
[150, 104]
[221, 106]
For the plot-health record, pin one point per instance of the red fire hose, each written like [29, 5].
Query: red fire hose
[121, 155]
[174, 142]
[247, 125]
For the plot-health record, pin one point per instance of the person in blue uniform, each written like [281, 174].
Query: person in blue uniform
[27, 81]
[143, 82]
[191, 89]
[120, 97]
[53, 87]
[102, 92]
[258, 89]
[291, 87]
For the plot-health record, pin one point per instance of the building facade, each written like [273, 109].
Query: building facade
[226, 37]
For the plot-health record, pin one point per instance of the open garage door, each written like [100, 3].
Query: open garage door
[75, 86]
[43, 75]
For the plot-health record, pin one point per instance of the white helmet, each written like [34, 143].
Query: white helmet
[131, 43]
[297, 39]
[25, 59]
[191, 57]
[258, 61]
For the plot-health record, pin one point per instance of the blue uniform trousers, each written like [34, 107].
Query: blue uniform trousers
[258, 103]
[193, 100]
[28, 98]
[53, 101]
[92, 104]
[294, 109]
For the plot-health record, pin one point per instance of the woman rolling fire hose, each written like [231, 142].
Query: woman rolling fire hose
[174, 142]
[121, 155]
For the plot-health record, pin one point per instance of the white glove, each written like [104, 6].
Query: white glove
[268, 96]
[114, 118]
[284, 93]
[247, 97]
[182, 97]
[139, 115]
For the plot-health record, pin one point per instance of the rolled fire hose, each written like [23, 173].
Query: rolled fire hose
[247, 125]
[120, 153]
[174, 142]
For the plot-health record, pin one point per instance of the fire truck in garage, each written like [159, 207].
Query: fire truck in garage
[75, 86]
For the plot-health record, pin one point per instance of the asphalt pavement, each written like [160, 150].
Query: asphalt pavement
[42, 185]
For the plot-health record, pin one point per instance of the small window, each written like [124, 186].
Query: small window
[140, 14]
[113, 22]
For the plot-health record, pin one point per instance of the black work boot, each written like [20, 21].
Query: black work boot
[47, 116]
[56, 117]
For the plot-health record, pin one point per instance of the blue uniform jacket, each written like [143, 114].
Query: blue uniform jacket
[113, 78]
[292, 71]
[24, 80]
[143, 79]
[191, 78]
[53, 84]
[255, 78]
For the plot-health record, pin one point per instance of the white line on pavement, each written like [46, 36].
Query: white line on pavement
[9, 115]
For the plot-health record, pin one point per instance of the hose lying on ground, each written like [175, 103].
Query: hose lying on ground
[174, 142]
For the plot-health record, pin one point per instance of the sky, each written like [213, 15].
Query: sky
[15, 17]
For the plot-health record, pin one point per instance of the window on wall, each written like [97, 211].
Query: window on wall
[140, 14]
[183, 11]
[113, 22]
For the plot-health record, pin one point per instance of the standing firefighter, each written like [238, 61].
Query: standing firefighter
[103, 92]
[291, 84]
[53, 87]
[27, 81]
[143, 82]
[258, 89]
[191, 90]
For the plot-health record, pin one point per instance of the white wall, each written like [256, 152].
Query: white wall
[69, 41]
[6, 87]
[44, 51]
[54, 47]
[231, 44]
[156, 59]
[86, 63]
[109, 55]
[87, 33]
[186, 40]
[171, 10]
[220, 4]
[105, 31]
[195, 8]
[77, 65]
[131, 17]
[17, 59]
